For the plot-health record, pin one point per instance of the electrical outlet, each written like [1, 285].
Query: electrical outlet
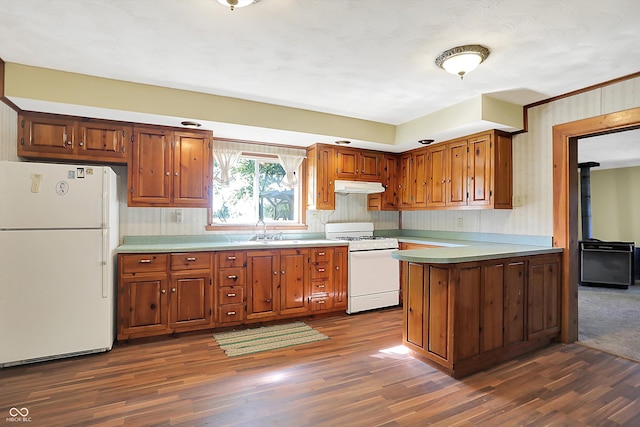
[459, 222]
[518, 201]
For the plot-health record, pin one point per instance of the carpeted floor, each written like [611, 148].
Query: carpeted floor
[609, 320]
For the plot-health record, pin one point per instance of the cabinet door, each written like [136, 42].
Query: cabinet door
[150, 169]
[467, 316]
[370, 165]
[389, 181]
[43, 134]
[192, 165]
[437, 173]
[294, 281]
[262, 281]
[104, 141]
[404, 184]
[419, 177]
[191, 302]
[514, 288]
[347, 165]
[480, 170]
[340, 277]
[415, 304]
[502, 171]
[492, 305]
[144, 308]
[457, 173]
[320, 173]
[543, 295]
[437, 312]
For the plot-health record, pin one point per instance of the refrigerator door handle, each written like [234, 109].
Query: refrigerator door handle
[105, 263]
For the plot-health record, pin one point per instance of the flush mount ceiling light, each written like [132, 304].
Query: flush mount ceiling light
[190, 124]
[462, 59]
[343, 142]
[425, 141]
[237, 3]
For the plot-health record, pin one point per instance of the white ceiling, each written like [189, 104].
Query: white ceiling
[369, 59]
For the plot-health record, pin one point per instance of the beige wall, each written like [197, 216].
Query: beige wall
[615, 204]
[532, 179]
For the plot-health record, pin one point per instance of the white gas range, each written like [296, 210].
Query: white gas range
[374, 277]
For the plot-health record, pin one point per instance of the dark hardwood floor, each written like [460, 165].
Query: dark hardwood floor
[352, 379]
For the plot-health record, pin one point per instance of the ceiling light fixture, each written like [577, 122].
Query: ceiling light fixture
[462, 59]
[426, 141]
[237, 3]
[343, 142]
[190, 124]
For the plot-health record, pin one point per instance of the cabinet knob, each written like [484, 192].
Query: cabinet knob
[173, 289]
[282, 272]
[337, 267]
[275, 272]
[176, 174]
[164, 291]
[267, 300]
[81, 144]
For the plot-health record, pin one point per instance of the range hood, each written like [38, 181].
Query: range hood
[359, 187]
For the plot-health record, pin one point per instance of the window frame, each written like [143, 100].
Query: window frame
[302, 214]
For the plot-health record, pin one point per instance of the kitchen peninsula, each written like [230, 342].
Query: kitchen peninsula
[469, 307]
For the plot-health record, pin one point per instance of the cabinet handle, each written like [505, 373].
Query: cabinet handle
[232, 277]
[230, 313]
[173, 289]
[231, 295]
[144, 261]
[231, 258]
[321, 301]
[321, 253]
[191, 258]
[321, 270]
[164, 291]
[320, 286]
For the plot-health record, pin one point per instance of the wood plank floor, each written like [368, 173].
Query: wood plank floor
[352, 379]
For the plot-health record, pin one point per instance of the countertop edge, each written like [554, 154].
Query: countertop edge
[223, 246]
[456, 255]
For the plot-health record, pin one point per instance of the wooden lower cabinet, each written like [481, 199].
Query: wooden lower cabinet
[467, 317]
[163, 293]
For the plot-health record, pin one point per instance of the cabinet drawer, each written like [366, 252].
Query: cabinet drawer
[321, 254]
[230, 313]
[231, 276]
[320, 271]
[228, 259]
[321, 303]
[230, 295]
[136, 263]
[320, 287]
[190, 261]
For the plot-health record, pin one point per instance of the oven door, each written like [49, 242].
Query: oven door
[372, 272]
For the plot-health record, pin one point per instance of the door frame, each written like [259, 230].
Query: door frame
[565, 201]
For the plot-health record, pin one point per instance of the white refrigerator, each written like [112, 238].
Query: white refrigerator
[58, 240]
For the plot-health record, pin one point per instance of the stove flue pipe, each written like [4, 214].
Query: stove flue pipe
[585, 198]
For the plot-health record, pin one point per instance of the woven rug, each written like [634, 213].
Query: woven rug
[238, 343]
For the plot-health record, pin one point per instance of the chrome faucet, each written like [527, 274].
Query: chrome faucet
[264, 230]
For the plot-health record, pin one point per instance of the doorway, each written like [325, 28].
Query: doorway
[565, 201]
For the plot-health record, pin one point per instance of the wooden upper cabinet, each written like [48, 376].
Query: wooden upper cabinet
[169, 168]
[387, 200]
[99, 139]
[355, 164]
[320, 176]
[490, 170]
[437, 176]
[419, 178]
[59, 137]
[192, 166]
[456, 186]
[404, 181]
